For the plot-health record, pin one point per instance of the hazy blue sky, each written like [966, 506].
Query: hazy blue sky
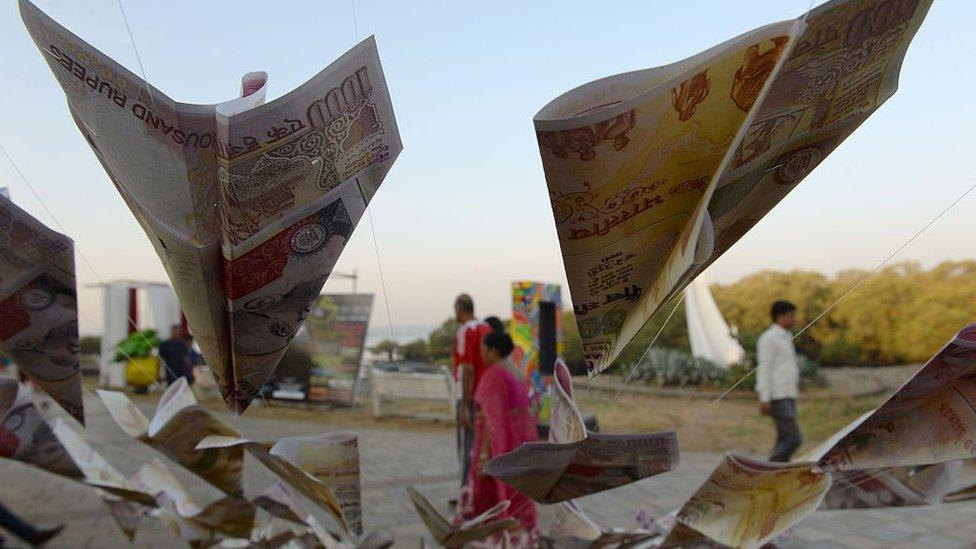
[465, 206]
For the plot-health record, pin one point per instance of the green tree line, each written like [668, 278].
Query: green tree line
[901, 314]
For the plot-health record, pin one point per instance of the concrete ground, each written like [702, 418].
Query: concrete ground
[393, 459]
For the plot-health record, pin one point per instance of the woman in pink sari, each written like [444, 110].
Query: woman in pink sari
[503, 422]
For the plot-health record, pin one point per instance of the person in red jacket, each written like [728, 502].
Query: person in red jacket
[469, 365]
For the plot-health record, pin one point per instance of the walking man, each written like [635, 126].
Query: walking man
[468, 367]
[777, 379]
[176, 355]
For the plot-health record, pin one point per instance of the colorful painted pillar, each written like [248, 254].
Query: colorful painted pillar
[536, 327]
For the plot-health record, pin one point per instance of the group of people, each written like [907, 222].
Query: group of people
[494, 417]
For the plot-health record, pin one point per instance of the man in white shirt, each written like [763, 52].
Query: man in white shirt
[777, 379]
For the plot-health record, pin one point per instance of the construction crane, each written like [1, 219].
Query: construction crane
[354, 276]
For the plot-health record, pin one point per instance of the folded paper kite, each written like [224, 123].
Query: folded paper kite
[748, 503]
[905, 452]
[898, 487]
[178, 425]
[323, 468]
[458, 535]
[155, 492]
[318, 467]
[26, 437]
[38, 305]
[248, 205]
[929, 420]
[581, 463]
[654, 174]
[572, 529]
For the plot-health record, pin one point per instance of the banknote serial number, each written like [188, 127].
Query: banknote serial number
[958, 429]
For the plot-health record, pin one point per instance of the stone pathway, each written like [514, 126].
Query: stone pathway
[393, 459]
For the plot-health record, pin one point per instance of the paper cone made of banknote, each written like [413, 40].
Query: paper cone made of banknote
[571, 527]
[39, 307]
[155, 492]
[747, 503]
[178, 425]
[897, 487]
[25, 435]
[247, 204]
[453, 536]
[280, 502]
[654, 174]
[576, 463]
[318, 467]
[929, 420]
[228, 516]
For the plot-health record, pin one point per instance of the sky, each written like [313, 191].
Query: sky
[465, 207]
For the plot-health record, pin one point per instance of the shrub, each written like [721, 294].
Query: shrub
[810, 374]
[91, 345]
[673, 368]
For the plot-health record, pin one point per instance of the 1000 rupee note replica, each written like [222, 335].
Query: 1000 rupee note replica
[26, 437]
[178, 425]
[247, 204]
[155, 492]
[319, 467]
[38, 305]
[654, 174]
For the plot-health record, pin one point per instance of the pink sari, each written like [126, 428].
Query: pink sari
[504, 421]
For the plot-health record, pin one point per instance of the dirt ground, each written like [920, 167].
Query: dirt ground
[727, 425]
[702, 425]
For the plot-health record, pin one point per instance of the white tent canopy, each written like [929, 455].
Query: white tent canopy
[708, 333]
[163, 313]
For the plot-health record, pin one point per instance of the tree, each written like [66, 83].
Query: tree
[385, 347]
[415, 350]
[901, 314]
[90, 345]
[440, 342]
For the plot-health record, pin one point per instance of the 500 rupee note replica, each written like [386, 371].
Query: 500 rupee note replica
[247, 204]
[908, 451]
[575, 463]
[38, 305]
[459, 535]
[654, 174]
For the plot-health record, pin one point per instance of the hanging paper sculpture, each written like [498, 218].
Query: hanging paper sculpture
[575, 463]
[459, 535]
[38, 305]
[654, 174]
[247, 204]
[909, 446]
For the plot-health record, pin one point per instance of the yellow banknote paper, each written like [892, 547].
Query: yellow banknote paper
[653, 174]
[747, 502]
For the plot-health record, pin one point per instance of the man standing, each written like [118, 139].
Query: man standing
[468, 367]
[176, 355]
[777, 379]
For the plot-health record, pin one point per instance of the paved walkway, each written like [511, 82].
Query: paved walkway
[394, 459]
